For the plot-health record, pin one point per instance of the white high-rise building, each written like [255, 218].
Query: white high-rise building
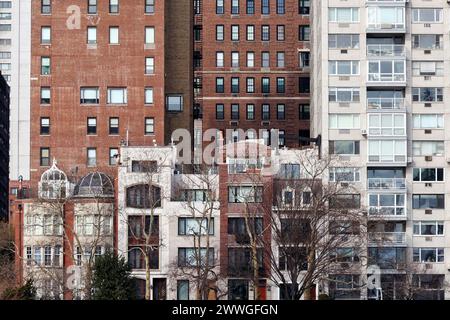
[15, 39]
[380, 83]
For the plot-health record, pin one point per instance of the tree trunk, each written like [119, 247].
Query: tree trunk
[255, 272]
[148, 286]
[307, 295]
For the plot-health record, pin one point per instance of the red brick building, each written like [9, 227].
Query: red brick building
[251, 64]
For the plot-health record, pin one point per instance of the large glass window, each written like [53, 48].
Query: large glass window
[427, 41]
[428, 148]
[344, 147]
[387, 151]
[344, 121]
[428, 255]
[428, 121]
[343, 94]
[387, 70]
[427, 94]
[343, 67]
[428, 228]
[427, 15]
[386, 17]
[343, 41]
[343, 15]
[428, 201]
[387, 124]
[428, 174]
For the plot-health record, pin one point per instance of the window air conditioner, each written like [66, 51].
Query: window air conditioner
[364, 132]
[428, 158]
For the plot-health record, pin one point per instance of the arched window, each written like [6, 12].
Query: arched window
[143, 196]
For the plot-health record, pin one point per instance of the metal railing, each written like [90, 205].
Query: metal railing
[388, 211]
[387, 183]
[386, 26]
[386, 77]
[387, 238]
[385, 103]
[385, 50]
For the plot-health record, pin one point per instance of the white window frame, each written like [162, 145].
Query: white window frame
[333, 14]
[418, 121]
[336, 91]
[381, 129]
[148, 95]
[343, 174]
[379, 156]
[336, 120]
[150, 35]
[418, 225]
[123, 95]
[114, 35]
[335, 65]
[438, 148]
[437, 15]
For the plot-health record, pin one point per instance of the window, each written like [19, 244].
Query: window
[428, 174]
[89, 95]
[45, 95]
[220, 112]
[344, 121]
[304, 59]
[91, 157]
[245, 194]
[117, 95]
[46, 6]
[345, 254]
[220, 9]
[235, 33]
[197, 33]
[304, 112]
[281, 7]
[250, 33]
[113, 126]
[427, 41]
[149, 126]
[428, 228]
[428, 68]
[92, 35]
[343, 41]
[265, 6]
[174, 103]
[238, 288]
[346, 201]
[46, 35]
[265, 112]
[220, 59]
[345, 15]
[344, 174]
[428, 148]
[427, 15]
[92, 6]
[280, 59]
[280, 33]
[47, 256]
[250, 59]
[281, 112]
[344, 147]
[265, 85]
[343, 95]
[144, 195]
[387, 124]
[428, 201]
[37, 255]
[343, 67]
[250, 112]
[45, 126]
[427, 94]
[220, 85]
[149, 65]
[148, 95]
[235, 59]
[45, 65]
[304, 33]
[182, 289]
[250, 6]
[428, 121]
[57, 256]
[265, 59]
[113, 156]
[250, 85]
[234, 85]
[220, 32]
[281, 85]
[386, 17]
[195, 226]
[91, 125]
[113, 6]
[303, 85]
[149, 6]
[234, 6]
[149, 35]
[428, 255]
[191, 257]
[303, 6]
[234, 112]
[45, 157]
[265, 33]
[387, 151]
[113, 35]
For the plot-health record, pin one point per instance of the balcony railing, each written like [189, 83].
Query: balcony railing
[399, 26]
[385, 50]
[385, 103]
[386, 77]
[388, 211]
[387, 238]
[387, 183]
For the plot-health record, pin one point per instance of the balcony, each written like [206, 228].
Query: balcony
[387, 183]
[388, 212]
[385, 50]
[387, 72]
[387, 238]
[385, 103]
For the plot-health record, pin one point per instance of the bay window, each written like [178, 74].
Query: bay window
[387, 151]
[387, 124]
[387, 204]
[386, 17]
[387, 70]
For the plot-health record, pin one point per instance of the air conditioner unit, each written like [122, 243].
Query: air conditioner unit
[428, 131]
[428, 211]
[428, 266]
[265, 123]
[345, 265]
[409, 160]
[427, 25]
[428, 238]
[428, 184]
[448, 160]
[234, 123]
[344, 184]
[427, 105]
[364, 132]
[428, 158]
[176, 172]
[427, 51]
[344, 51]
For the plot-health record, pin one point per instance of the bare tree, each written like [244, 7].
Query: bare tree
[197, 192]
[7, 272]
[313, 222]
